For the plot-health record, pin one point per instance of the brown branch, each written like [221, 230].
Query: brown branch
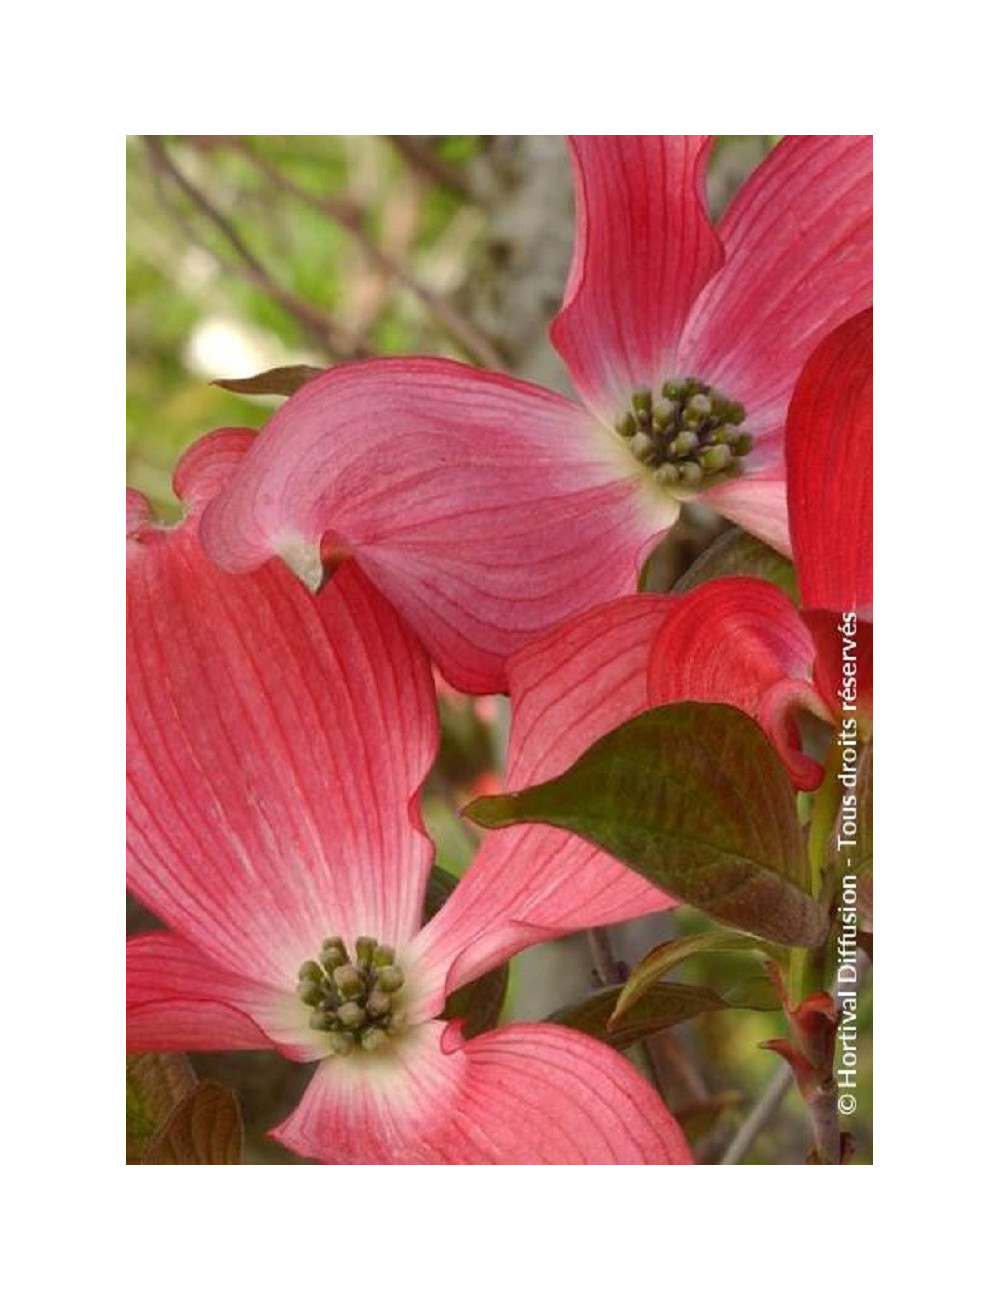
[605, 967]
[350, 218]
[424, 160]
[825, 1119]
[246, 263]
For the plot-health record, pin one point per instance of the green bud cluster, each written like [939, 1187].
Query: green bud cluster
[688, 436]
[353, 1001]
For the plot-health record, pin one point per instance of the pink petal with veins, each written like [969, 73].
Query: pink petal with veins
[272, 789]
[524, 1094]
[179, 1001]
[798, 261]
[644, 250]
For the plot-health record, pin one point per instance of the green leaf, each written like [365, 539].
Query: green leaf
[736, 553]
[440, 885]
[660, 1007]
[477, 1004]
[155, 1083]
[660, 961]
[206, 1128]
[694, 797]
[283, 381]
[755, 993]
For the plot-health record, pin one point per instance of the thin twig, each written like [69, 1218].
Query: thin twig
[609, 971]
[768, 1102]
[311, 319]
[423, 159]
[675, 1059]
[605, 966]
[349, 217]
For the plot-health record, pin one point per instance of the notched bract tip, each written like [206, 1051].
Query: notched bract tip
[305, 559]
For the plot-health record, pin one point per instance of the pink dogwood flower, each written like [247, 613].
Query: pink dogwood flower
[735, 640]
[277, 743]
[489, 510]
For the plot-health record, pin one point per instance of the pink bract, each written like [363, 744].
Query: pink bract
[276, 748]
[488, 510]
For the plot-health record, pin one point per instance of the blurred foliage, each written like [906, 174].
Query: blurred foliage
[275, 279]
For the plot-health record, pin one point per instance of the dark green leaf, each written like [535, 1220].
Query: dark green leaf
[660, 1007]
[283, 381]
[736, 553]
[662, 960]
[155, 1083]
[440, 885]
[477, 1004]
[694, 797]
[206, 1128]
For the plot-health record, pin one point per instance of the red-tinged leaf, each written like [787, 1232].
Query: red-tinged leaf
[206, 1128]
[694, 798]
[662, 960]
[283, 381]
[661, 1006]
[155, 1083]
[737, 554]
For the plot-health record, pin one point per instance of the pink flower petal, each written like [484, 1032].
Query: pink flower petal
[798, 240]
[272, 790]
[645, 248]
[179, 1001]
[757, 501]
[531, 883]
[525, 1094]
[740, 641]
[485, 509]
[576, 684]
[829, 451]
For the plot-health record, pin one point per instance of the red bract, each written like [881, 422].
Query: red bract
[276, 748]
[489, 510]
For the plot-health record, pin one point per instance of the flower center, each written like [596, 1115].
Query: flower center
[689, 437]
[353, 1001]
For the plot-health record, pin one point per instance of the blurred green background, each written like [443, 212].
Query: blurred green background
[252, 252]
